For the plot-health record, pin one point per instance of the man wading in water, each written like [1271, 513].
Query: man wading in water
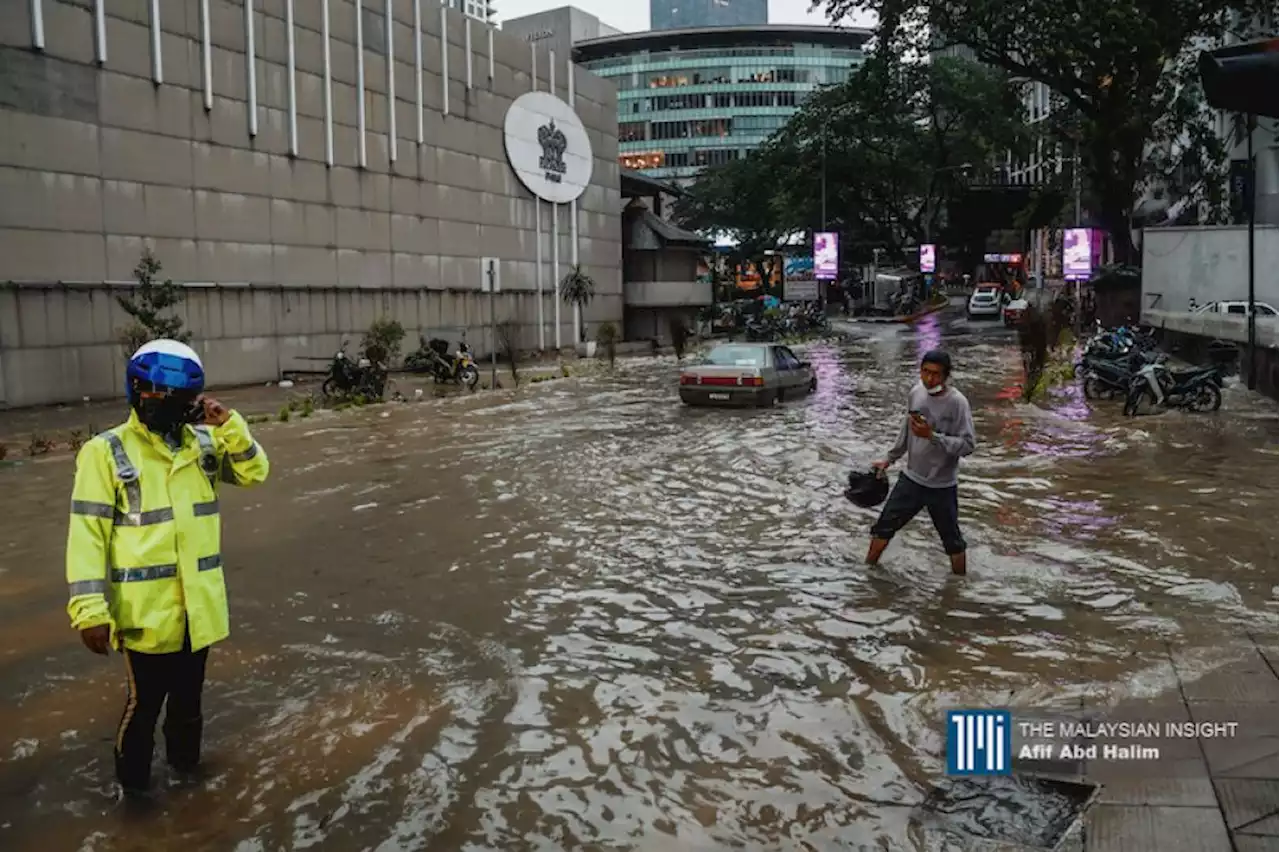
[936, 433]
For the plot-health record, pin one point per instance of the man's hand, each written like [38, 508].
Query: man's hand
[881, 466]
[920, 427]
[97, 639]
[215, 413]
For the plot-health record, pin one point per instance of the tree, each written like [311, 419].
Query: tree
[1122, 72]
[578, 288]
[895, 142]
[146, 305]
[738, 200]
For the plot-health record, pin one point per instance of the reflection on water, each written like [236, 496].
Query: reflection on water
[581, 616]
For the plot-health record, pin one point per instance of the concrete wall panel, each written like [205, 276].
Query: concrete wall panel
[286, 256]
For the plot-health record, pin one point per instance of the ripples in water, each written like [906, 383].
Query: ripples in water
[582, 616]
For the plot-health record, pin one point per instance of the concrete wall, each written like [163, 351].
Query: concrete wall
[1208, 263]
[99, 161]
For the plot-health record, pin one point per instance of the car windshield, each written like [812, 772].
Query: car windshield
[987, 291]
[737, 356]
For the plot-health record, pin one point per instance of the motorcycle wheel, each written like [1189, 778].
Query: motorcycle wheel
[329, 388]
[469, 377]
[1208, 398]
[1133, 401]
[1093, 388]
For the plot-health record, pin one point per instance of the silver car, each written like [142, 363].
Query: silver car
[747, 374]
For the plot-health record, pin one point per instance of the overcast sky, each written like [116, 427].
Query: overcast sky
[631, 15]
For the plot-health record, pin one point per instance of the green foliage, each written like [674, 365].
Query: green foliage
[577, 287]
[898, 141]
[738, 198]
[147, 304]
[39, 444]
[607, 336]
[679, 335]
[285, 413]
[508, 333]
[75, 440]
[895, 143]
[382, 341]
[1126, 95]
[1046, 353]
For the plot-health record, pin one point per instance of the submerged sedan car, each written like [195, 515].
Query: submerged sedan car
[747, 374]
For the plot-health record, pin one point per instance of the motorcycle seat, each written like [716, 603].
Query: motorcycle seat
[1191, 373]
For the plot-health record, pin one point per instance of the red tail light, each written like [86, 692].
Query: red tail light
[688, 379]
[753, 381]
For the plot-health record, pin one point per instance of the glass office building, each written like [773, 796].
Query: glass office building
[686, 14]
[688, 99]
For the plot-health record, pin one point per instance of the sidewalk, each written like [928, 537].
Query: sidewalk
[1214, 794]
[61, 423]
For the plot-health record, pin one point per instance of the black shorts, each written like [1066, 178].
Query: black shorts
[908, 498]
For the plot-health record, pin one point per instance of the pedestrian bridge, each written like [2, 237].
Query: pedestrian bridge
[1234, 328]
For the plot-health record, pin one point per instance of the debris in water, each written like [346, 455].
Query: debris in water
[1031, 811]
[24, 748]
[364, 506]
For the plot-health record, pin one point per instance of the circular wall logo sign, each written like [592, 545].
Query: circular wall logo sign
[548, 147]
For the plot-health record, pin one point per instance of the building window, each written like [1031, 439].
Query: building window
[646, 160]
[631, 131]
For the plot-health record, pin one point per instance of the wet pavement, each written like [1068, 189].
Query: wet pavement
[580, 616]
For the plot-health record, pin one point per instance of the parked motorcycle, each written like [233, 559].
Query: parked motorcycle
[1109, 378]
[364, 376]
[433, 357]
[1155, 385]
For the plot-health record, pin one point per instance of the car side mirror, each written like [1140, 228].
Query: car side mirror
[804, 365]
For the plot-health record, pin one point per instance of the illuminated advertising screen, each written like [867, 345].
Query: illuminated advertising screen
[826, 256]
[1077, 254]
[928, 258]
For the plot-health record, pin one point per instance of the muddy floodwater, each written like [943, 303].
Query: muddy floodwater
[580, 616]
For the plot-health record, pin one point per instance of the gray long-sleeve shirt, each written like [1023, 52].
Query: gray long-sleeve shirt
[933, 462]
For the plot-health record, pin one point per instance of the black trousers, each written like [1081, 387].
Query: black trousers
[905, 502]
[155, 679]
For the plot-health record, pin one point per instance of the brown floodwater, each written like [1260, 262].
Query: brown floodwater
[580, 616]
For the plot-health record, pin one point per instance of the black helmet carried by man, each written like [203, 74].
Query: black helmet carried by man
[867, 489]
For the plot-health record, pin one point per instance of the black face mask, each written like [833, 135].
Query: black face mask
[166, 415]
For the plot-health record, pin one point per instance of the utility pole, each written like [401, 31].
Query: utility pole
[490, 283]
[824, 177]
[1251, 205]
[1075, 180]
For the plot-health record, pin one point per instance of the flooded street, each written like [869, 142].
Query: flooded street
[581, 616]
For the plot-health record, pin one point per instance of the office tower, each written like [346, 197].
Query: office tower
[684, 14]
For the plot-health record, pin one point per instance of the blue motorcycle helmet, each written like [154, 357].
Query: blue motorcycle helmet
[163, 381]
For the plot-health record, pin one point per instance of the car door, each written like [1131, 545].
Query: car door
[782, 369]
[791, 370]
[799, 374]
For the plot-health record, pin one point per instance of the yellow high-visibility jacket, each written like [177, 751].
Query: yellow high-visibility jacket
[143, 549]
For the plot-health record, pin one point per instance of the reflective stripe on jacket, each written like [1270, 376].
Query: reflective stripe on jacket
[143, 551]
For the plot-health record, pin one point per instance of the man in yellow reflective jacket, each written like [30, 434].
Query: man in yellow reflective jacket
[144, 566]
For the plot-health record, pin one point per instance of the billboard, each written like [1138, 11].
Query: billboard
[928, 257]
[1077, 254]
[826, 256]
